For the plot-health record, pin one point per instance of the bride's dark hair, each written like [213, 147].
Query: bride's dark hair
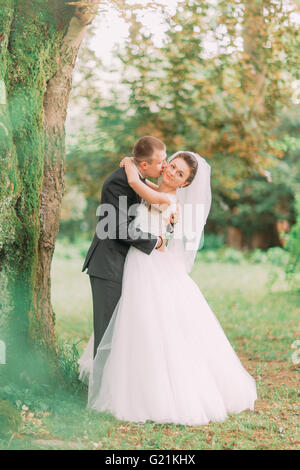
[191, 162]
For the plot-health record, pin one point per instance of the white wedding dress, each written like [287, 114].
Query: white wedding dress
[164, 356]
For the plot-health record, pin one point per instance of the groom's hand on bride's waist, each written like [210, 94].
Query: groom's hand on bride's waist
[161, 243]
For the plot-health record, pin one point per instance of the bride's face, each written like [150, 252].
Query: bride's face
[176, 173]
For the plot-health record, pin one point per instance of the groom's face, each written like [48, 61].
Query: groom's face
[157, 166]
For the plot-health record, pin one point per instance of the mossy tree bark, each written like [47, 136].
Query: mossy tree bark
[39, 42]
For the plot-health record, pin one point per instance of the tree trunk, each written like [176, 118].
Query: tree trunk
[234, 238]
[39, 42]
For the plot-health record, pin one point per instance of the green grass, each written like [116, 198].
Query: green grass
[261, 321]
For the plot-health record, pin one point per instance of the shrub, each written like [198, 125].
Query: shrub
[231, 255]
[257, 256]
[293, 246]
[213, 241]
[277, 256]
[208, 256]
[82, 247]
[10, 419]
[65, 249]
[68, 363]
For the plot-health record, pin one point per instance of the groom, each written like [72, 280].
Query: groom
[106, 256]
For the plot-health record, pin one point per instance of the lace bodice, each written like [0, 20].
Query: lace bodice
[150, 218]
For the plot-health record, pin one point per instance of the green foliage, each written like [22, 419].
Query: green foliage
[34, 396]
[212, 103]
[259, 204]
[277, 256]
[257, 256]
[226, 104]
[83, 246]
[68, 356]
[293, 246]
[213, 241]
[209, 256]
[65, 250]
[223, 255]
[10, 419]
[230, 255]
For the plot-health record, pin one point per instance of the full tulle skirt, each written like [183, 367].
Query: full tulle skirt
[164, 356]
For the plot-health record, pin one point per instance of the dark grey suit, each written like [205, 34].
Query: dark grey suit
[106, 257]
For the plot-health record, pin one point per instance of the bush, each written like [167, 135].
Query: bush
[231, 255]
[223, 255]
[208, 256]
[82, 247]
[68, 363]
[213, 241]
[277, 256]
[293, 246]
[64, 249]
[10, 419]
[257, 256]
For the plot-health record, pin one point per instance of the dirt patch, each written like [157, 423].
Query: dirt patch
[279, 374]
[274, 373]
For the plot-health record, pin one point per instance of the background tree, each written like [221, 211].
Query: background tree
[217, 85]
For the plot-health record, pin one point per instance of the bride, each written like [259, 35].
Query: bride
[164, 356]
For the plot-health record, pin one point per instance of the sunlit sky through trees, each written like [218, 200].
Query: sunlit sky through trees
[110, 29]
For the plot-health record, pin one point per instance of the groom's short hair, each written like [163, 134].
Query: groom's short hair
[145, 147]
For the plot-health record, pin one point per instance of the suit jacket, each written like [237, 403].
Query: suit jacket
[106, 257]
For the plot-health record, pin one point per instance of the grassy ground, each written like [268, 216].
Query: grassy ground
[261, 322]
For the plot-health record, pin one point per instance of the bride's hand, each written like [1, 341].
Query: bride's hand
[130, 170]
[126, 161]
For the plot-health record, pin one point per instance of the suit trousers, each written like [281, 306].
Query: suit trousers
[106, 294]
